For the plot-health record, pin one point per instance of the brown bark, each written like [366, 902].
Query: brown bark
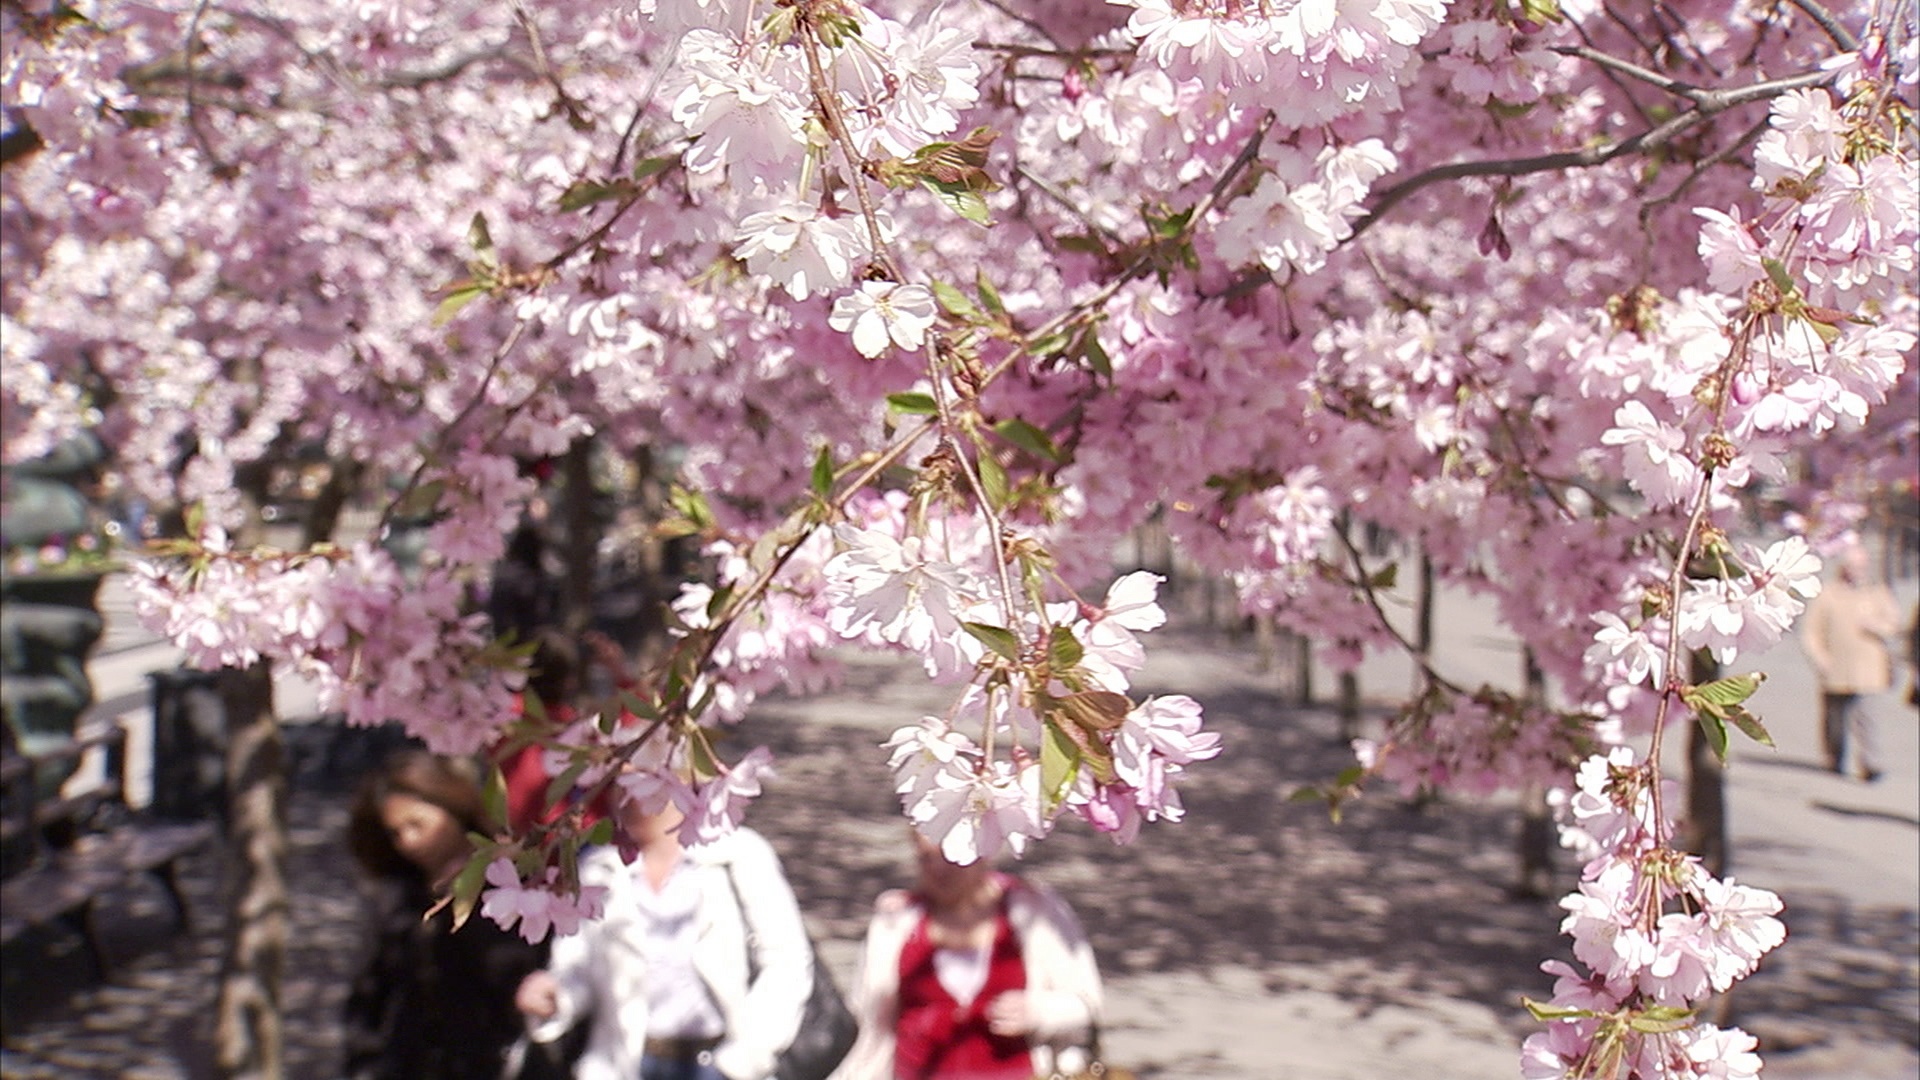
[1533, 842]
[580, 552]
[248, 1035]
[1706, 834]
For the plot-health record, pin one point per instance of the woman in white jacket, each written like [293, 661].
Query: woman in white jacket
[698, 970]
[973, 975]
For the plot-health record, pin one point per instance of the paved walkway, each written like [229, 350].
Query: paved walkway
[1255, 941]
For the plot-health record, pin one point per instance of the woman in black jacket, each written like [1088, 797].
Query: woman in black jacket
[430, 1002]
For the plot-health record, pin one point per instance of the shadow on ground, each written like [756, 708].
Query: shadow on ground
[1396, 900]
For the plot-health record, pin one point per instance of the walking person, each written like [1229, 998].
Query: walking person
[429, 1002]
[974, 974]
[1848, 632]
[699, 968]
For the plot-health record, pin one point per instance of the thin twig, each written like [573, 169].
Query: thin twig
[829, 101]
[446, 434]
[1708, 104]
[1825, 21]
[219, 166]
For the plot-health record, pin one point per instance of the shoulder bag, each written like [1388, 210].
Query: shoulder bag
[827, 1026]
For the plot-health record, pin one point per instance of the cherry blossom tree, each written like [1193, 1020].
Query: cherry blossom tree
[939, 300]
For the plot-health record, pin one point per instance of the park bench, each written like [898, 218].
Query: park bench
[67, 847]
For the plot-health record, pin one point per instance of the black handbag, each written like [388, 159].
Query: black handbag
[827, 1026]
[827, 1031]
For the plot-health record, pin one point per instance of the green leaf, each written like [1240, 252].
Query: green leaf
[717, 602]
[1059, 764]
[1064, 651]
[637, 705]
[700, 755]
[1715, 727]
[494, 797]
[823, 472]
[1097, 359]
[532, 707]
[601, 833]
[1051, 345]
[961, 200]
[954, 301]
[1749, 725]
[422, 501]
[459, 296]
[691, 505]
[1095, 710]
[912, 404]
[998, 638]
[1658, 1025]
[1731, 690]
[1827, 333]
[779, 24]
[653, 166]
[584, 193]
[988, 294]
[1541, 11]
[559, 786]
[1777, 271]
[1554, 1012]
[1384, 577]
[467, 885]
[1028, 438]
[1093, 752]
[478, 236]
[1084, 243]
[993, 482]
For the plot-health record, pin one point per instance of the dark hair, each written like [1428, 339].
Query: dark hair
[553, 673]
[441, 781]
[526, 546]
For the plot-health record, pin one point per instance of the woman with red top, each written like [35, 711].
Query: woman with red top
[553, 677]
[973, 975]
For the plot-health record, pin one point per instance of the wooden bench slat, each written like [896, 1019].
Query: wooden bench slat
[69, 879]
[64, 876]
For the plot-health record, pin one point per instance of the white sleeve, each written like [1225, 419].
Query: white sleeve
[1063, 979]
[567, 963]
[782, 961]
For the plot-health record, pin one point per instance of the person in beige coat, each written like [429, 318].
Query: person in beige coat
[1847, 632]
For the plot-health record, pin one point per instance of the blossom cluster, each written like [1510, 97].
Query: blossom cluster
[1191, 262]
[378, 647]
[1046, 693]
[1654, 934]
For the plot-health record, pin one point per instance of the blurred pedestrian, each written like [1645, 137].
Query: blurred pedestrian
[699, 968]
[1913, 657]
[429, 1002]
[554, 680]
[1848, 634]
[523, 598]
[974, 974]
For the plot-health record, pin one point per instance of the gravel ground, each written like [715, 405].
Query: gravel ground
[1255, 941]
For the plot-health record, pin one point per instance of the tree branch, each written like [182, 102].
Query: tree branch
[1707, 104]
[1825, 20]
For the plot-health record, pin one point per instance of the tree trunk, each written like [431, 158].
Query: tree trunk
[1349, 705]
[1303, 666]
[582, 536]
[1534, 839]
[1423, 617]
[1706, 833]
[248, 1035]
